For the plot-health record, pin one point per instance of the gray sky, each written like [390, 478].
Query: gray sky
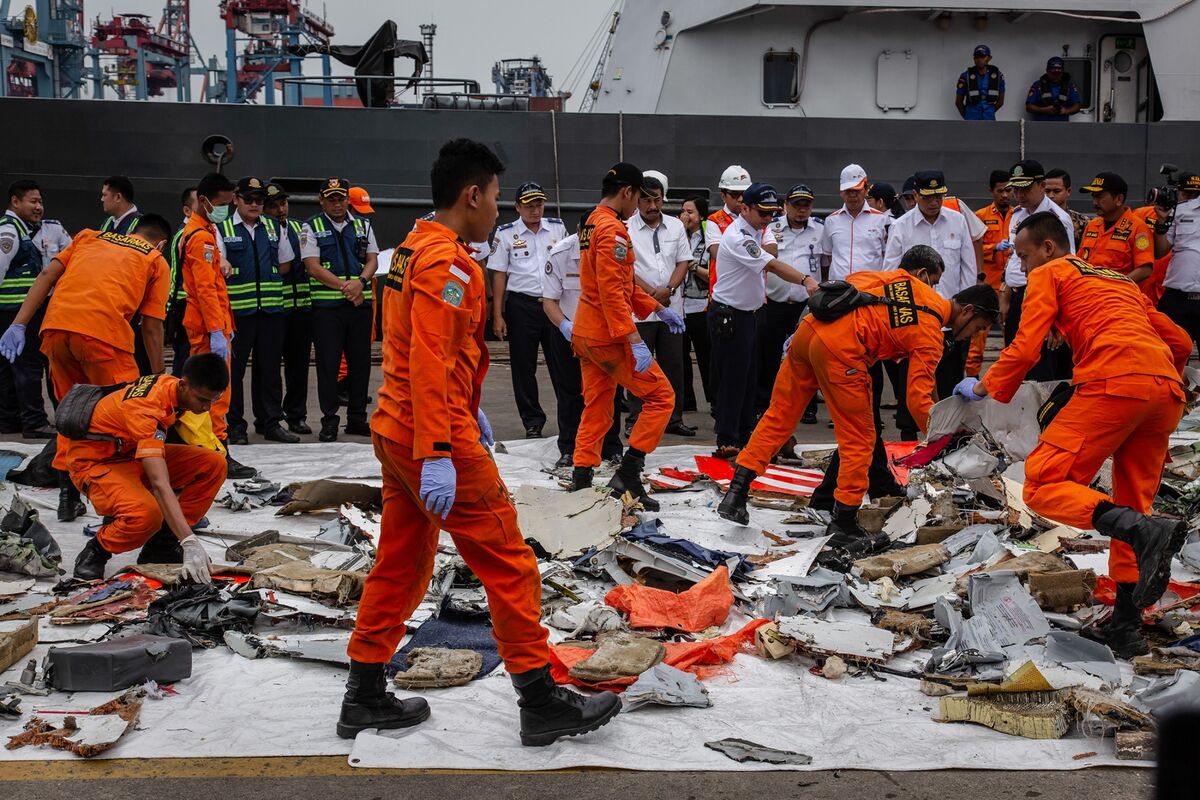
[471, 36]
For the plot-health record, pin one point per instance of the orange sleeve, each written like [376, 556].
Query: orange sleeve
[1037, 318]
[922, 364]
[146, 426]
[613, 279]
[1174, 336]
[201, 260]
[154, 301]
[441, 322]
[643, 304]
[1142, 240]
[64, 257]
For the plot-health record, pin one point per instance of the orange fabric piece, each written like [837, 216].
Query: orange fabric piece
[699, 658]
[1111, 327]
[997, 231]
[975, 354]
[604, 366]
[208, 298]
[434, 357]
[1138, 414]
[119, 489]
[722, 220]
[609, 297]
[1152, 287]
[108, 278]
[483, 525]
[1125, 246]
[702, 606]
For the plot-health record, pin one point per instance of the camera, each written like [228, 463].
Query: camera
[1165, 196]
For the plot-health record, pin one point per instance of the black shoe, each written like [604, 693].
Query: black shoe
[809, 418]
[368, 704]
[300, 427]
[909, 435]
[90, 563]
[276, 433]
[679, 429]
[628, 478]
[40, 432]
[1123, 631]
[1154, 540]
[549, 712]
[358, 429]
[70, 506]
[581, 478]
[533, 433]
[565, 460]
[237, 437]
[162, 548]
[328, 432]
[848, 541]
[235, 470]
[733, 505]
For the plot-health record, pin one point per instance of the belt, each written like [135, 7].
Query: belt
[526, 297]
[1182, 294]
[723, 308]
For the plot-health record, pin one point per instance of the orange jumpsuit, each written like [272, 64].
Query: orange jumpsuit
[434, 361]
[834, 357]
[609, 298]
[1152, 287]
[1126, 245]
[110, 474]
[1128, 397]
[993, 270]
[208, 300]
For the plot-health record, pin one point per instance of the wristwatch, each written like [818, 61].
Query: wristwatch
[364, 281]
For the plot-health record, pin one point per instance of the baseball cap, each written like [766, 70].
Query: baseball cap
[853, 177]
[530, 191]
[762, 196]
[1055, 62]
[910, 185]
[929, 182]
[882, 191]
[276, 192]
[655, 175]
[1189, 182]
[250, 185]
[1106, 182]
[624, 174]
[335, 186]
[734, 178]
[982, 50]
[360, 201]
[1024, 173]
[799, 192]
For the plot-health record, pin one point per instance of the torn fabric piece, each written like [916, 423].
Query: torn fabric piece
[453, 629]
[648, 533]
[702, 606]
[743, 750]
[665, 685]
[438, 668]
[619, 654]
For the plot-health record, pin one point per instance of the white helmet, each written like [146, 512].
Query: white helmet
[658, 176]
[734, 178]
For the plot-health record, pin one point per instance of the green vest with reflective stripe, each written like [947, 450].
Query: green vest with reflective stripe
[174, 260]
[295, 283]
[254, 282]
[23, 269]
[338, 256]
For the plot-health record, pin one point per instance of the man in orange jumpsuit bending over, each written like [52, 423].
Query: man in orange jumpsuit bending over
[607, 343]
[834, 357]
[1127, 401]
[431, 439]
[100, 281]
[154, 492]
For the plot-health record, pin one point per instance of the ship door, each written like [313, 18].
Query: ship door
[1128, 91]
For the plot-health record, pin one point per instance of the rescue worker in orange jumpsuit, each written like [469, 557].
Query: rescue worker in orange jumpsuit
[1127, 401]
[1116, 238]
[431, 438]
[834, 357]
[208, 319]
[610, 350]
[995, 217]
[152, 491]
[100, 282]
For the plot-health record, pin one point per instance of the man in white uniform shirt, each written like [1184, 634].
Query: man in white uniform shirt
[517, 261]
[1181, 237]
[855, 234]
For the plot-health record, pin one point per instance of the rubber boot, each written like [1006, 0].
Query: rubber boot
[1123, 631]
[162, 548]
[581, 478]
[368, 704]
[90, 563]
[549, 712]
[1154, 540]
[733, 505]
[70, 506]
[848, 540]
[628, 478]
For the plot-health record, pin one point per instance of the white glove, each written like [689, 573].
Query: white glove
[196, 563]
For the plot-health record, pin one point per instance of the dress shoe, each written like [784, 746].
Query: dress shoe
[329, 432]
[358, 429]
[809, 418]
[300, 427]
[533, 433]
[679, 429]
[565, 460]
[238, 437]
[276, 433]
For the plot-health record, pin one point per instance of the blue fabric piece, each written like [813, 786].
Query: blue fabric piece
[9, 460]
[648, 533]
[1191, 643]
[456, 630]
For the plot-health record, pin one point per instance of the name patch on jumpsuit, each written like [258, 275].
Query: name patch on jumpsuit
[1088, 271]
[900, 316]
[141, 387]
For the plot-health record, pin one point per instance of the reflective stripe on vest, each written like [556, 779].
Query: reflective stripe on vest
[295, 283]
[254, 283]
[337, 256]
[974, 97]
[1049, 96]
[23, 269]
[177, 291]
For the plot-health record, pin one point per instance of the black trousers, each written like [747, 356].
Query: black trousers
[897, 375]
[340, 330]
[528, 329]
[695, 338]
[732, 333]
[567, 379]
[181, 348]
[1183, 310]
[1054, 365]
[880, 481]
[297, 353]
[261, 335]
[667, 348]
[21, 404]
[140, 356]
[775, 322]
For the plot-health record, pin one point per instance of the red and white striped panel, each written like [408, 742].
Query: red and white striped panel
[776, 480]
[669, 479]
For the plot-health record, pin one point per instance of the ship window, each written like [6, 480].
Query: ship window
[780, 74]
[1080, 70]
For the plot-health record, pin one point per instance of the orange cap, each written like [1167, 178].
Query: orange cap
[360, 201]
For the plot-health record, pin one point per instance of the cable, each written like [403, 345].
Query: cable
[597, 34]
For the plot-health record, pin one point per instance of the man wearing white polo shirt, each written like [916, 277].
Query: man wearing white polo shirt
[855, 234]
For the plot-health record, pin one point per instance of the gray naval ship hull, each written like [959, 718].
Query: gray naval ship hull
[70, 146]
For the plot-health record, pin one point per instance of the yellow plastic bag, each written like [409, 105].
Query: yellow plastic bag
[197, 429]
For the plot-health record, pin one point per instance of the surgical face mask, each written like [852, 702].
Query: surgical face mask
[219, 214]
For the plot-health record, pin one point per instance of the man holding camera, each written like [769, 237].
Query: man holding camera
[1177, 230]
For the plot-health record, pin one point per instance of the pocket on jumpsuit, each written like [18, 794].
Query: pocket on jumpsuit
[1052, 460]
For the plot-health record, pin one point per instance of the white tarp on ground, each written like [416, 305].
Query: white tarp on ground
[232, 706]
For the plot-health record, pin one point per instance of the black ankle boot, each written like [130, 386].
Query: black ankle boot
[162, 548]
[549, 712]
[70, 506]
[848, 540]
[1123, 631]
[628, 478]
[368, 704]
[1154, 540]
[581, 478]
[733, 505]
[90, 563]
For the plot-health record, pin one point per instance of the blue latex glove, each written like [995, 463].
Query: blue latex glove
[218, 344]
[565, 328]
[438, 478]
[641, 357]
[673, 320]
[966, 390]
[12, 342]
[1003, 247]
[787, 343]
[485, 429]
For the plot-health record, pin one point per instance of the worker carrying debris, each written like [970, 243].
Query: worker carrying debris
[153, 492]
[431, 438]
[834, 355]
[1126, 400]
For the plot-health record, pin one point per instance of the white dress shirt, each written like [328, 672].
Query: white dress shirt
[948, 235]
[118, 220]
[308, 242]
[801, 248]
[50, 239]
[560, 280]
[1183, 271]
[522, 253]
[1013, 276]
[741, 263]
[656, 251]
[284, 250]
[854, 244]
